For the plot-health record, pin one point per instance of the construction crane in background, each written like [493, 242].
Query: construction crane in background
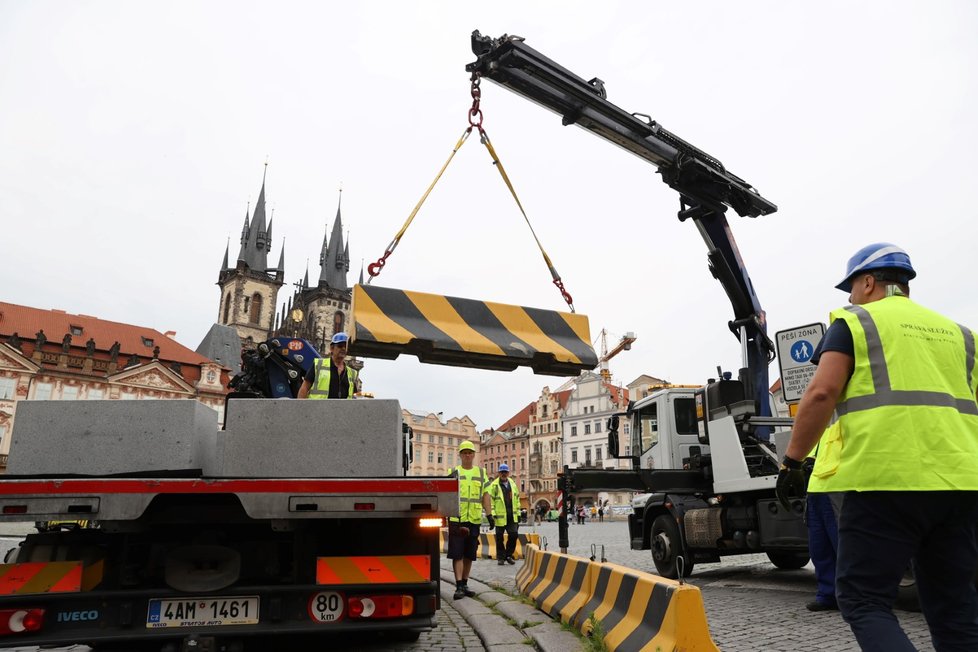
[623, 345]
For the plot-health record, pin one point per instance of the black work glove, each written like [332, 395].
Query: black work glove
[792, 482]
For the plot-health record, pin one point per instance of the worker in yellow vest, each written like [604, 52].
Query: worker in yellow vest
[331, 377]
[463, 530]
[501, 500]
[902, 380]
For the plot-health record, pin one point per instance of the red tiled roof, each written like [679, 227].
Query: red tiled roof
[521, 418]
[562, 398]
[617, 394]
[27, 321]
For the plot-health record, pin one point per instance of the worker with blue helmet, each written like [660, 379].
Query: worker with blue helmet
[904, 452]
[331, 377]
[501, 500]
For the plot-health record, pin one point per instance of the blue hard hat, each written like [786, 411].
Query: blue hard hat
[504, 467]
[340, 338]
[877, 256]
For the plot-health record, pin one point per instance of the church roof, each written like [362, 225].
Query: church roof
[222, 344]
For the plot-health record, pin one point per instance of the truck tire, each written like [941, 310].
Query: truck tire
[788, 560]
[667, 547]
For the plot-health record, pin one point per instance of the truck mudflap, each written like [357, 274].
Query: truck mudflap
[469, 333]
[102, 616]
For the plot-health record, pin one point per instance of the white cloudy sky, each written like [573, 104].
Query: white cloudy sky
[132, 136]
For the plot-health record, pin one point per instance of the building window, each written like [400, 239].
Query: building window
[441, 457]
[626, 430]
[441, 439]
[8, 387]
[587, 428]
[431, 457]
[69, 393]
[587, 456]
[127, 396]
[574, 455]
[247, 303]
[545, 411]
[574, 430]
[148, 342]
[227, 307]
[42, 391]
[254, 315]
[76, 330]
[597, 426]
[597, 454]
[95, 394]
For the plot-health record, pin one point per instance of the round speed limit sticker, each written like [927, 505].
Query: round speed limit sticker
[326, 607]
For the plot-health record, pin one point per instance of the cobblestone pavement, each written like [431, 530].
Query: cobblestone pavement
[751, 606]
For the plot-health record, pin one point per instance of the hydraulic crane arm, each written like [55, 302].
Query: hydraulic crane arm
[706, 188]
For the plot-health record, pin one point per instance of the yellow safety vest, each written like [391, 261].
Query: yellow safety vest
[471, 482]
[498, 497]
[320, 388]
[908, 418]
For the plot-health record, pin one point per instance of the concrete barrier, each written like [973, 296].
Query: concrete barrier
[487, 544]
[637, 611]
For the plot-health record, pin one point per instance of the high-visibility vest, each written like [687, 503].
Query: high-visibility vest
[471, 482]
[908, 418]
[320, 388]
[498, 497]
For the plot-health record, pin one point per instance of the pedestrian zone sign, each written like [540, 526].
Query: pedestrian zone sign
[795, 349]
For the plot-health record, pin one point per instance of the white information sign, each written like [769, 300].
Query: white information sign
[795, 349]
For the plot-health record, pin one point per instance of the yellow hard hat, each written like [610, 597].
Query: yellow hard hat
[466, 446]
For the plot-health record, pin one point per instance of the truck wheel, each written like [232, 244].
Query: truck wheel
[788, 560]
[667, 547]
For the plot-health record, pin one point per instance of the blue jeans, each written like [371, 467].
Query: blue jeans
[823, 544]
[880, 532]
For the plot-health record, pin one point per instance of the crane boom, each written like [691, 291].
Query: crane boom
[705, 186]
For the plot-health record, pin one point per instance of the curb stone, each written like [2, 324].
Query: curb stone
[495, 631]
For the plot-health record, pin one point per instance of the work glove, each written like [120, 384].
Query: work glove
[791, 483]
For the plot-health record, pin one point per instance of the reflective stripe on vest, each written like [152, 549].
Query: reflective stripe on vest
[320, 388]
[908, 418]
[470, 485]
[885, 395]
[498, 496]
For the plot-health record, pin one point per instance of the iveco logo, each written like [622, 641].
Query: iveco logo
[75, 616]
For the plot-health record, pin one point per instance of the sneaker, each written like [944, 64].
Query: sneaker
[510, 560]
[815, 605]
[459, 593]
[501, 562]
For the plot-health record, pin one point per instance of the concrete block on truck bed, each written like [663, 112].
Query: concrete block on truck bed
[312, 438]
[107, 437]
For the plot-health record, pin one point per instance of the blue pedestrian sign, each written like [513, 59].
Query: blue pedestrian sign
[795, 349]
[801, 351]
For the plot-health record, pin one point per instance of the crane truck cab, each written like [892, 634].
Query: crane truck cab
[707, 479]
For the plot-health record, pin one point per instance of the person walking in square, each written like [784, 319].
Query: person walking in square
[501, 500]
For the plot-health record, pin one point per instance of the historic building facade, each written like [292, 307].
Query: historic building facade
[249, 289]
[50, 354]
[436, 442]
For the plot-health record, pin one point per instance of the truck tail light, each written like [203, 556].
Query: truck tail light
[381, 606]
[437, 521]
[18, 621]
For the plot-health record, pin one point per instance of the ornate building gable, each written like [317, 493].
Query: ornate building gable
[12, 359]
[153, 376]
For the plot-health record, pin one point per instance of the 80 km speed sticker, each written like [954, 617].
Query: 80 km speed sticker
[326, 607]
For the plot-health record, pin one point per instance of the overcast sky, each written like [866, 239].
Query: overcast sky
[133, 135]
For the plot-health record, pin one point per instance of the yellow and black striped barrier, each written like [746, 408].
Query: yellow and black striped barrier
[638, 611]
[487, 544]
[468, 333]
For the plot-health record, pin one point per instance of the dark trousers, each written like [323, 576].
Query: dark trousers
[509, 549]
[823, 543]
[880, 532]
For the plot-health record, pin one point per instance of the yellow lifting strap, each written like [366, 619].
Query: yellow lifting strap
[475, 122]
[468, 333]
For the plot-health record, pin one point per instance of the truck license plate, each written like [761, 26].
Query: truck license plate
[202, 612]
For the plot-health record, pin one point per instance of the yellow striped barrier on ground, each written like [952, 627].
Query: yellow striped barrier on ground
[487, 544]
[638, 612]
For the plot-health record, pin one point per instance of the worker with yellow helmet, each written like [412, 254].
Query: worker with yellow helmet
[463, 530]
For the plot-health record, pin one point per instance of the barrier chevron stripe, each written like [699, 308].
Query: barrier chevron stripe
[469, 333]
[487, 544]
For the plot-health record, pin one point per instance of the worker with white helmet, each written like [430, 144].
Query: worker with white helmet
[902, 381]
[463, 530]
